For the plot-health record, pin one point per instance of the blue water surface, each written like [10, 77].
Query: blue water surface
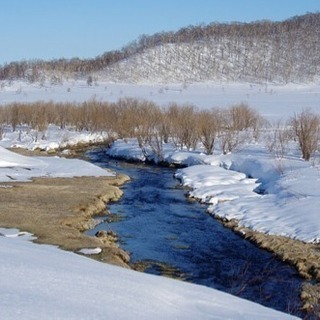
[158, 225]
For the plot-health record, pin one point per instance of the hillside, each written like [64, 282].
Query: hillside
[257, 52]
[261, 51]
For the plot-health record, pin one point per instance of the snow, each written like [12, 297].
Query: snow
[288, 207]
[272, 101]
[54, 137]
[43, 282]
[127, 149]
[14, 167]
[89, 251]
[275, 196]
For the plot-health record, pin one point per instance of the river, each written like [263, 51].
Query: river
[166, 234]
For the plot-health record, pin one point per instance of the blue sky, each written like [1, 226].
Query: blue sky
[48, 29]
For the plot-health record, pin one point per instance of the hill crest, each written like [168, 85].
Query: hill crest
[261, 51]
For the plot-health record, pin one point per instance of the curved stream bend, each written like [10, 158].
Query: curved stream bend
[170, 235]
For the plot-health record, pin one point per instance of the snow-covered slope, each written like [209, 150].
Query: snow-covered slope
[43, 282]
[232, 59]
[261, 51]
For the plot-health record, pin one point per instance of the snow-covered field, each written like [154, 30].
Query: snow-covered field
[44, 282]
[270, 100]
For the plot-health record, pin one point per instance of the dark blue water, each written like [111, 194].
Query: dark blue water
[159, 226]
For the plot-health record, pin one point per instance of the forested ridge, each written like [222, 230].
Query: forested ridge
[260, 51]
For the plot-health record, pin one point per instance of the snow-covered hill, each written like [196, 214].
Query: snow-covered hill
[224, 60]
[260, 52]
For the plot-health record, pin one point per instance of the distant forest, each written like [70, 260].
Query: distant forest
[271, 50]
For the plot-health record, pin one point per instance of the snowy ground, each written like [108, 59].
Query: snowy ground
[14, 167]
[43, 282]
[48, 283]
[274, 196]
[40, 281]
[271, 100]
[54, 138]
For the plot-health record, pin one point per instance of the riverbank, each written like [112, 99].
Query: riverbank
[58, 210]
[268, 219]
[72, 225]
[305, 257]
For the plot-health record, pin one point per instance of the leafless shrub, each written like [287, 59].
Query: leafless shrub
[2, 124]
[2, 131]
[306, 128]
[14, 116]
[183, 125]
[151, 125]
[39, 120]
[208, 126]
[235, 123]
[242, 117]
[158, 135]
[278, 139]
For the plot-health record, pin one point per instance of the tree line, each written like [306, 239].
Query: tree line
[185, 126]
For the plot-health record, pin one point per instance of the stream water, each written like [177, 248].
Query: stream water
[168, 235]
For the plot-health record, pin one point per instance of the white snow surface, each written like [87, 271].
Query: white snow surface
[274, 196]
[289, 207]
[43, 282]
[14, 167]
[286, 203]
[272, 101]
[282, 198]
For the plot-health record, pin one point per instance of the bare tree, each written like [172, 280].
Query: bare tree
[89, 81]
[230, 136]
[239, 123]
[183, 125]
[208, 126]
[243, 117]
[14, 115]
[278, 139]
[158, 135]
[306, 127]
[39, 120]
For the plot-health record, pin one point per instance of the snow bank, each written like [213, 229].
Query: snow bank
[281, 203]
[53, 138]
[14, 167]
[273, 196]
[127, 149]
[43, 282]
[213, 184]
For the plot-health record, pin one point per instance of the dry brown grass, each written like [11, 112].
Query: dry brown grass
[58, 210]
